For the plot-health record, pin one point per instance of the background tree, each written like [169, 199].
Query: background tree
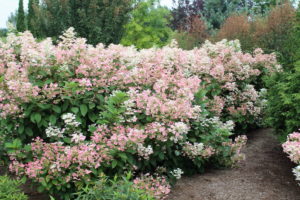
[32, 18]
[12, 19]
[3, 32]
[100, 20]
[53, 17]
[183, 11]
[215, 12]
[148, 26]
[21, 26]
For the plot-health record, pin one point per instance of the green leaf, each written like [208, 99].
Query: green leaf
[44, 106]
[92, 105]
[56, 109]
[40, 189]
[37, 117]
[29, 131]
[83, 109]
[67, 140]
[54, 182]
[114, 164]
[32, 119]
[53, 119]
[23, 180]
[123, 156]
[65, 106]
[27, 148]
[92, 117]
[21, 129]
[161, 156]
[75, 110]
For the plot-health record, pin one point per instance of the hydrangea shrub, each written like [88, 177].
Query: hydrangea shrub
[292, 148]
[72, 111]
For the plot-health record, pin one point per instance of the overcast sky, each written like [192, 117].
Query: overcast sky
[9, 6]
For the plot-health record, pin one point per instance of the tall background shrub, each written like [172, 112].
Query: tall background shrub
[21, 25]
[283, 109]
[148, 26]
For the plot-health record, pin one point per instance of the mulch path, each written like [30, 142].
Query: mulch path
[265, 175]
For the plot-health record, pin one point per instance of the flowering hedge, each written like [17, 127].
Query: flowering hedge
[71, 111]
[292, 148]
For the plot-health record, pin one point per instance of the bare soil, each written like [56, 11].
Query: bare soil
[265, 175]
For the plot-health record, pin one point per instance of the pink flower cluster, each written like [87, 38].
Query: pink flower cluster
[165, 80]
[292, 147]
[156, 186]
[70, 163]
[161, 85]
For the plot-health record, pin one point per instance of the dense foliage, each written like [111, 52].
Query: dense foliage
[115, 189]
[10, 189]
[71, 111]
[73, 115]
[32, 17]
[148, 26]
[183, 11]
[21, 25]
[3, 32]
[96, 20]
[283, 108]
[283, 95]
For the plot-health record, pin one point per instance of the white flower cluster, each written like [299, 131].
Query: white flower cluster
[130, 111]
[77, 137]
[70, 120]
[263, 92]
[53, 131]
[68, 36]
[173, 44]
[187, 73]
[193, 150]
[64, 68]
[262, 102]
[296, 172]
[229, 125]
[197, 112]
[206, 122]
[144, 152]
[177, 173]
[178, 129]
